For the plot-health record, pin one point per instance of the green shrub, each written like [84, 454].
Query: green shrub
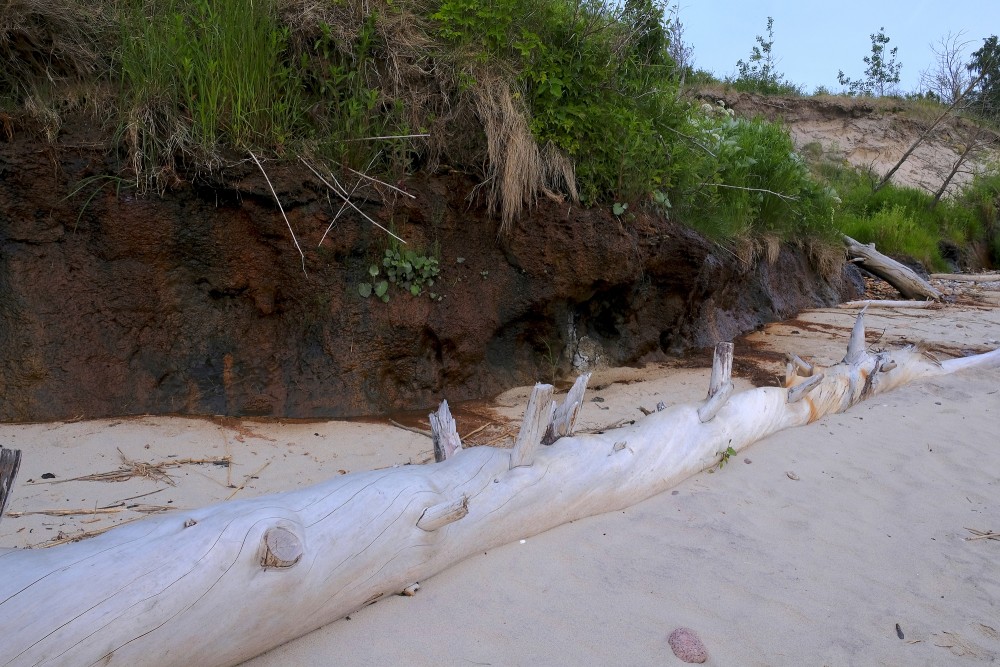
[749, 181]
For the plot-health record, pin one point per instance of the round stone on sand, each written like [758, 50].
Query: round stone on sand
[687, 646]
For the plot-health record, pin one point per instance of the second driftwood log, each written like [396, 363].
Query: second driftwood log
[900, 276]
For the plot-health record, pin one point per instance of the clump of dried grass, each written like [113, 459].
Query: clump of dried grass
[45, 42]
[518, 170]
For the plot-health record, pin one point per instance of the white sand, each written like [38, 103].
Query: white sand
[766, 569]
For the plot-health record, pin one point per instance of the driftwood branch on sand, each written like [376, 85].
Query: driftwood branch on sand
[900, 276]
[224, 583]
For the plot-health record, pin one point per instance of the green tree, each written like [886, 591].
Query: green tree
[881, 73]
[760, 71]
[985, 63]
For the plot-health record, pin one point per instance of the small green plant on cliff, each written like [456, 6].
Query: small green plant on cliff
[404, 268]
[881, 73]
[759, 73]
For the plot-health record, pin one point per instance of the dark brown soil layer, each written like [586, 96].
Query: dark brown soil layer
[196, 301]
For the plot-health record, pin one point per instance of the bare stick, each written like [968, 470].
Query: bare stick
[919, 140]
[388, 185]
[246, 480]
[349, 202]
[967, 277]
[278, 201]
[765, 191]
[875, 303]
[442, 514]
[343, 205]
[396, 136]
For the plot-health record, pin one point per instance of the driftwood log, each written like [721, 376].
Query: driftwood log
[900, 276]
[222, 584]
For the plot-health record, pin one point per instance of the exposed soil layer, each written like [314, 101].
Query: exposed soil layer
[197, 302]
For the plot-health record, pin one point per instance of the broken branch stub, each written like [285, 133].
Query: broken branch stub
[536, 417]
[564, 417]
[442, 514]
[720, 386]
[444, 433]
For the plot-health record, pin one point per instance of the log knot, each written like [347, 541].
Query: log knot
[280, 548]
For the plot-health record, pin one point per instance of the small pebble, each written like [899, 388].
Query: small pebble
[747, 461]
[687, 646]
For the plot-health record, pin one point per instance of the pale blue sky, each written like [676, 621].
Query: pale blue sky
[812, 40]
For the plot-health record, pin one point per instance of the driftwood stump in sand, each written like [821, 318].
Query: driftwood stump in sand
[10, 462]
[221, 584]
[902, 277]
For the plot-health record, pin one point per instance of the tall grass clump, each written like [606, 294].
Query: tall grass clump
[747, 180]
[906, 221]
[200, 74]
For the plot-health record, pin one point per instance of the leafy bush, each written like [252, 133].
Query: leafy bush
[596, 79]
[750, 181]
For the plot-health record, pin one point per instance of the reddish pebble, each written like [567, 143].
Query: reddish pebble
[687, 646]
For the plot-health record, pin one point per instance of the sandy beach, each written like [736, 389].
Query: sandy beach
[850, 541]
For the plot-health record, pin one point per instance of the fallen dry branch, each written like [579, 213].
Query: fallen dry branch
[131, 468]
[900, 276]
[968, 277]
[876, 303]
[69, 512]
[221, 584]
[982, 535]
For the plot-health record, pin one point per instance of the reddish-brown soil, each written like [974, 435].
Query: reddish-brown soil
[196, 301]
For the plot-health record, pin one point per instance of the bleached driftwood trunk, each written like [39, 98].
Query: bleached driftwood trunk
[902, 277]
[224, 583]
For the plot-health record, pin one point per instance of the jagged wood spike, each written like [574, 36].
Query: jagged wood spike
[799, 391]
[720, 386]
[722, 368]
[10, 463]
[564, 416]
[442, 514]
[444, 433]
[856, 344]
[536, 417]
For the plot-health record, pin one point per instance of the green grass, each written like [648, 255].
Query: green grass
[905, 221]
[209, 72]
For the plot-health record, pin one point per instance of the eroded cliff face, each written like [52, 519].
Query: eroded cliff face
[196, 301]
